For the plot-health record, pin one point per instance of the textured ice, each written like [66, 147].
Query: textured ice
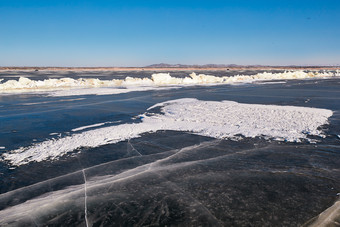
[139, 84]
[222, 120]
[329, 217]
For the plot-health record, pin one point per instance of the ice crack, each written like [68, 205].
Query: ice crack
[133, 148]
[85, 189]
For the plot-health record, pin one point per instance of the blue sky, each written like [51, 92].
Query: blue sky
[139, 33]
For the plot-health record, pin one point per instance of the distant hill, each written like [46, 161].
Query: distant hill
[164, 65]
[216, 66]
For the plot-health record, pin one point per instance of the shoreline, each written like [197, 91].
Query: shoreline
[162, 69]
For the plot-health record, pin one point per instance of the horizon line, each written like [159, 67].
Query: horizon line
[165, 65]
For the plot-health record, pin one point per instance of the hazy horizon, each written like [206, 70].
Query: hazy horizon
[157, 65]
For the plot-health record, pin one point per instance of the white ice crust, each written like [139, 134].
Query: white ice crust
[222, 120]
[91, 126]
[103, 90]
[157, 80]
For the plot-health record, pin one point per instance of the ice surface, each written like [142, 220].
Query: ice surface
[78, 197]
[196, 185]
[222, 120]
[329, 217]
[129, 84]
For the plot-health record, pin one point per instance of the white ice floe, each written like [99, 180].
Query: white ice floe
[117, 86]
[272, 82]
[224, 119]
[53, 133]
[88, 126]
[103, 91]
[93, 126]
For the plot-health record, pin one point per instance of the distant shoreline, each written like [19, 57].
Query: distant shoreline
[170, 68]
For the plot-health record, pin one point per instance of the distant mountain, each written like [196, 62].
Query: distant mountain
[164, 65]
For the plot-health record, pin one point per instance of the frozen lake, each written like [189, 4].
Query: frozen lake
[257, 152]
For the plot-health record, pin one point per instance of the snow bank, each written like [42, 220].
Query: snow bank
[208, 118]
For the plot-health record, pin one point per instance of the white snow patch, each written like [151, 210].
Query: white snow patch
[103, 91]
[88, 126]
[224, 119]
[53, 133]
[272, 82]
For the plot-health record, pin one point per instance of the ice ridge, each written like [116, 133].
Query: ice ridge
[24, 84]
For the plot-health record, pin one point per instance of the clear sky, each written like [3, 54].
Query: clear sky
[143, 32]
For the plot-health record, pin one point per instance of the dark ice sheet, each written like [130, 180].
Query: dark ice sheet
[169, 178]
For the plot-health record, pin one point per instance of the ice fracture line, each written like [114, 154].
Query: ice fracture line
[85, 189]
[133, 148]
